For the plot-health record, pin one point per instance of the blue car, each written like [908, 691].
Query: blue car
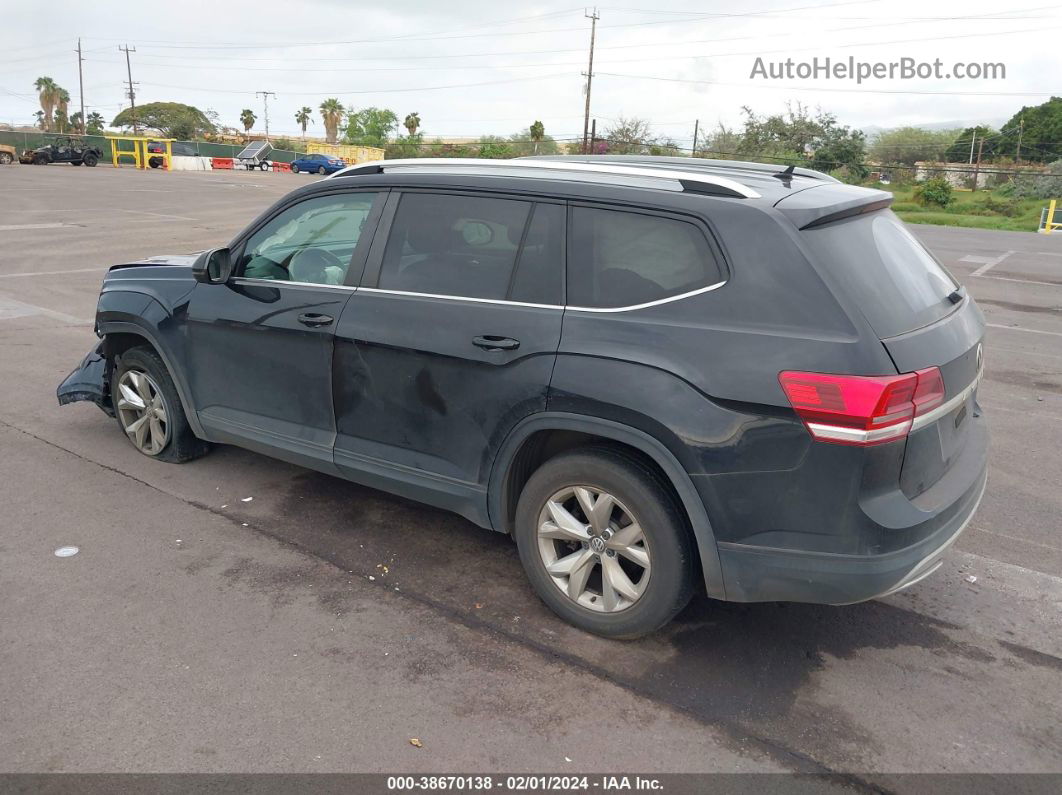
[318, 164]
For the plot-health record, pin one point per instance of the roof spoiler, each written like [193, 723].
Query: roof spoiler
[826, 203]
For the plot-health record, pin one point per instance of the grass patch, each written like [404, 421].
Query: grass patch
[976, 210]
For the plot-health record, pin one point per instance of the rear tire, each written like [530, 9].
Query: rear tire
[90, 160]
[621, 570]
[149, 410]
[321, 170]
[5, 158]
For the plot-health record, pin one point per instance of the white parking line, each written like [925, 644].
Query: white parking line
[11, 309]
[1029, 330]
[1022, 281]
[987, 263]
[161, 215]
[14, 227]
[52, 273]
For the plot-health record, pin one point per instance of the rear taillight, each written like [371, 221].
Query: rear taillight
[862, 409]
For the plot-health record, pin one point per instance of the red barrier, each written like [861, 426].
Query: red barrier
[221, 162]
[281, 166]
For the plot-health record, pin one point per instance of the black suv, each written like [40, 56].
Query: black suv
[649, 372]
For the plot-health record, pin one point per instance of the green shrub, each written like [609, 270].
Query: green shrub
[1010, 207]
[935, 191]
[1044, 186]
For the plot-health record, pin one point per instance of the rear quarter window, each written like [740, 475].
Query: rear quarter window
[621, 258]
[898, 285]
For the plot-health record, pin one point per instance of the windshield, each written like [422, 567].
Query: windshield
[897, 283]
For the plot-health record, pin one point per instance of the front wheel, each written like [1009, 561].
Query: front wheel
[5, 158]
[90, 160]
[604, 544]
[40, 160]
[149, 409]
[294, 169]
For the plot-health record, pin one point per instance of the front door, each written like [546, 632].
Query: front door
[449, 342]
[260, 345]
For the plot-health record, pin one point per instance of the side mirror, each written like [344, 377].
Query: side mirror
[212, 267]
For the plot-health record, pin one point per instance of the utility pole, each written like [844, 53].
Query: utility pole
[593, 136]
[132, 94]
[974, 138]
[977, 168]
[265, 103]
[81, 85]
[696, 129]
[1021, 128]
[593, 17]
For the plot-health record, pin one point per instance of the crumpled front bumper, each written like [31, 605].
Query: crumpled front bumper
[89, 381]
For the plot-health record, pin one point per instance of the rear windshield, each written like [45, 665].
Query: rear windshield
[898, 284]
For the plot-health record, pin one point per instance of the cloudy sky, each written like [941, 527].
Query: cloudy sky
[472, 67]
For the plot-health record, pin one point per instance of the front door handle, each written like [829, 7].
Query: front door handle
[490, 342]
[315, 320]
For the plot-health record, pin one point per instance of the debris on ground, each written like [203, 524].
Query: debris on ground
[971, 578]
[247, 499]
[416, 742]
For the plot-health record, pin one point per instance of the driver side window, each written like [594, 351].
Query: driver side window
[312, 242]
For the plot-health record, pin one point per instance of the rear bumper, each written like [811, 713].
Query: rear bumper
[763, 574]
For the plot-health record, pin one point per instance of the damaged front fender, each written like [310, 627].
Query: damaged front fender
[90, 381]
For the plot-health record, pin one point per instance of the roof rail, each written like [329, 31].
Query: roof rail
[630, 175]
[687, 164]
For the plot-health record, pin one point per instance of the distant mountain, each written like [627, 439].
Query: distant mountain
[960, 124]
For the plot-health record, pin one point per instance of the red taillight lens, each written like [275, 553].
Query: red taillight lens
[859, 409]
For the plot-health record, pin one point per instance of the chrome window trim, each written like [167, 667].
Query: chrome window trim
[503, 301]
[411, 294]
[648, 304]
[252, 280]
[927, 419]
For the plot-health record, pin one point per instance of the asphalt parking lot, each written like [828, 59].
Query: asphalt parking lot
[319, 626]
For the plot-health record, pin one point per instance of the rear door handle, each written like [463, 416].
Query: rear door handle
[490, 342]
[314, 320]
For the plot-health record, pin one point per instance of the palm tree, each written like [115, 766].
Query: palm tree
[247, 119]
[538, 132]
[331, 114]
[94, 124]
[40, 119]
[47, 92]
[412, 122]
[62, 102]
[302, 118]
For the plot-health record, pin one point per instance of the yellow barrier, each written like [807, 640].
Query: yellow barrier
[1049, 220]
[140, 154]
[352, 154]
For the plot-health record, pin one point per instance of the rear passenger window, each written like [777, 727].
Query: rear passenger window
[539, 277]
[624, 258]
[449, 244]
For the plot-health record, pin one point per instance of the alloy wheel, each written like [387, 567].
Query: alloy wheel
[594, 549]
[142, 412]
